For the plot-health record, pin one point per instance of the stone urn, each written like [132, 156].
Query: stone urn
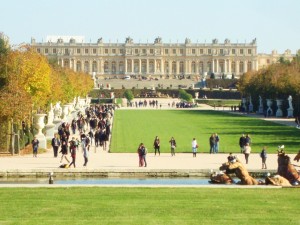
[196, 95]
[269, 110]
[50, 125]
[65, 111]
[39, 124]
[279, 112]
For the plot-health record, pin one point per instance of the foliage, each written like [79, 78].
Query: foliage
[129, 95]
[186, 124]
[276, 81]
[183, 95]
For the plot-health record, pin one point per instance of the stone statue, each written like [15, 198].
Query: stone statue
[215, 41]
[227, 41]
[187, 41]
[253, 41]
[157, 40]
[290, 102]
[100, 41]
[128, 40]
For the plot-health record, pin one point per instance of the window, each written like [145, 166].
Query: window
[233, 51]
[86, 51]
[166, 51]
[121, 51]
[54, 51]
[181, 51]
[268, 61]
[113, 51]
[209, 51]
[78, 50]
[94, 51]
[144, 51]
[241, 51]
[201, 51]
[151, 51]
[66, 51]
[46, 50]
[221, 51]
[136, 51]
[174, 51]
[193, 51]
[249, 51]
[38, 50]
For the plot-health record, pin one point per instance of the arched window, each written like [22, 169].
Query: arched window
[209, 67]
[144, 66]
[249, 66]
[166, 67]
[233, 67]
[136, 66]
[113, 67]
[241, 67]
[201, 67]
[94, 66]
[174, 67]
[78, 66]
[151, 66]
[121, 67]
[193, 67]
[181, 67]
[66, 63]
[106, 69]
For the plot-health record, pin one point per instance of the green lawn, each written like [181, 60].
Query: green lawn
[132, 127]
[87, 205]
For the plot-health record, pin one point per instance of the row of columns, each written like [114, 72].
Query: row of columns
[161, 66]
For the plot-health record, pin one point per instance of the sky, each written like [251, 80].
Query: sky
[274, 23]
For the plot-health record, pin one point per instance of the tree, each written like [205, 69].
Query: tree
[183, 95]
[129, 95]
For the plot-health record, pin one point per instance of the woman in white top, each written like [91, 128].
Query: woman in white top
[247, 151]
[194, 147]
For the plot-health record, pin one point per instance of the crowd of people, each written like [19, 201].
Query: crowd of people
[94, 125]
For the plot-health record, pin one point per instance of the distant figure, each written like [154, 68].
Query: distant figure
[247, 151]
[263, 156]
[194, 147]
[142, 152]
[242, 142]
[212, 142]
[217, 143]
[173, 146]
[230, 158]
[35, 146]
[156, 145]
[55, 143]
[73, 147]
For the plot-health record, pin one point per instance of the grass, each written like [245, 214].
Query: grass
[132, 127]
[93, 205]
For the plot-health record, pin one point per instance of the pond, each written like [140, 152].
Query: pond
[110, 181]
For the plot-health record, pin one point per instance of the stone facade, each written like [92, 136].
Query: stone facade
[155, 59]
[265, 60]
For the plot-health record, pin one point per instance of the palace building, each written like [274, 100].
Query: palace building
[151, 59]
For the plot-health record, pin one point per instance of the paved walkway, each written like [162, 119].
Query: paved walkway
[101, 160]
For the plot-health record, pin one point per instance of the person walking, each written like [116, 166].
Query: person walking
[35, 146]
[173, 146]
[73, 147]
[194, 147]
[64, 151]
[242, 142]
[140, 151]
[263, 156]
[85, 150]
[55, 142]
[156, 145]
[217, 143]
[247, 151]
[212, 142]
